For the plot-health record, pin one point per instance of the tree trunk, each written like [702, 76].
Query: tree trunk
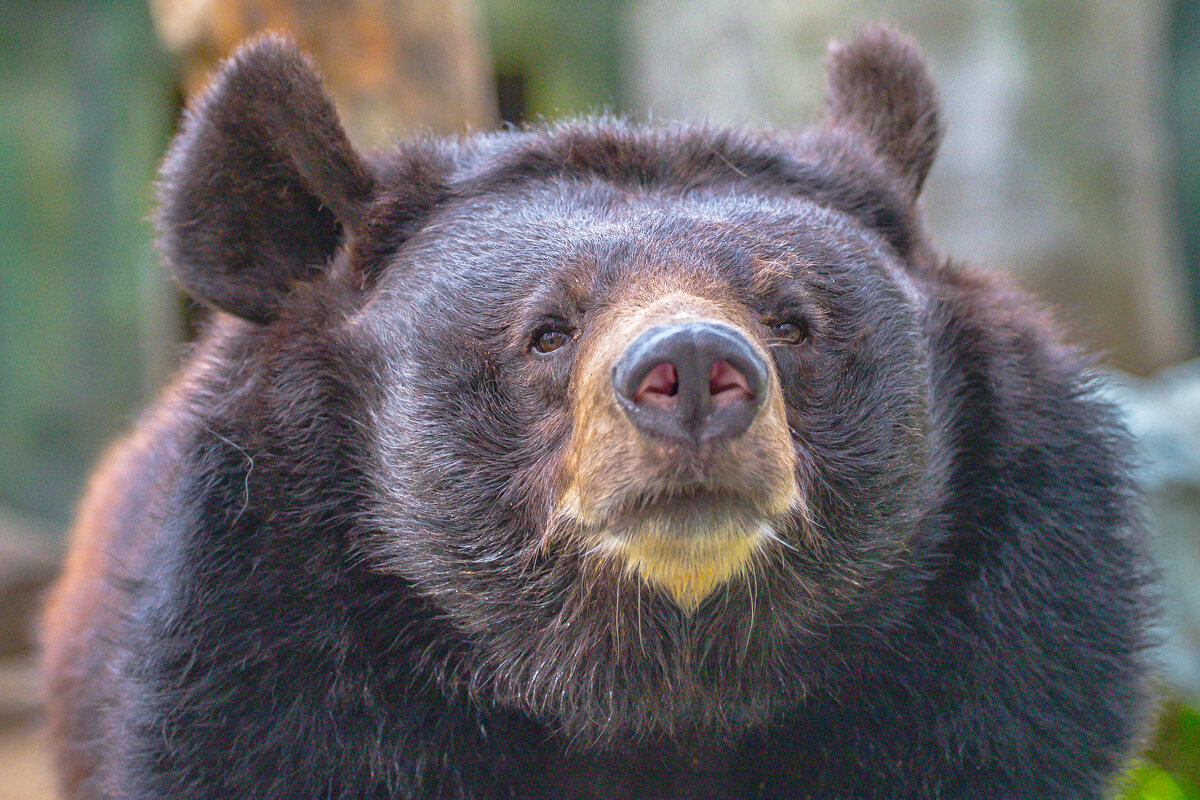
[394, 67]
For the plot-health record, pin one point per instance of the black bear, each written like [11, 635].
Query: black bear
[597, 461]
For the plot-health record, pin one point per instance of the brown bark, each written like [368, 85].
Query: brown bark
[394, 67]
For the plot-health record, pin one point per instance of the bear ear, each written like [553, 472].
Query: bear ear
[260, 185]
[879, 88]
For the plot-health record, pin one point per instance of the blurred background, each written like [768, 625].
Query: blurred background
[1071, 162]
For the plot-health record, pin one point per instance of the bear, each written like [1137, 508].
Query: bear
[598, 459]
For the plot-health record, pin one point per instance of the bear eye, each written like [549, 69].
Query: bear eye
[550, 338]
[789, 332]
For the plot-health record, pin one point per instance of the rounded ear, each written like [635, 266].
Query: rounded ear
[879, 88]
[260, 185]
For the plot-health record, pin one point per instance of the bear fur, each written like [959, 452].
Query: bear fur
[352, 552]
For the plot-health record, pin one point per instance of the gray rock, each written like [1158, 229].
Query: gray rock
[1164, 413]
[1052, 168]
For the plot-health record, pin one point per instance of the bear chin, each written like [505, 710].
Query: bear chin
[685, 544]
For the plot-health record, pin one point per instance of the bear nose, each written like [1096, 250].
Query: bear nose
[690, 381]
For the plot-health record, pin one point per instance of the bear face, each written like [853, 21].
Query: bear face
[642, 542]
[591, 459]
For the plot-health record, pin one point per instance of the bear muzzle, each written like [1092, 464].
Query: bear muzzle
[681, 465]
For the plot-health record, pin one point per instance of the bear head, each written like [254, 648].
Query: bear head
[641, 413]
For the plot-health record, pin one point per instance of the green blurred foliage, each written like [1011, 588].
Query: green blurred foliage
[1183, 106]
[567, 55]
[85, 108]
[1145, 781]
[1169, 769]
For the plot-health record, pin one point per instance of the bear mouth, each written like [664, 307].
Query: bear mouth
[688, 503]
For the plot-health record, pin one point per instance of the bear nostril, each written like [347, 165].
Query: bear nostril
[727, 384]
[659, 387]
[694, 382]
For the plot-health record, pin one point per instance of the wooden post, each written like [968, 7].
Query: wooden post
[394, 67]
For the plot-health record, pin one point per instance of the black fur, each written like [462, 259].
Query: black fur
[260, 185]
[326, 576]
